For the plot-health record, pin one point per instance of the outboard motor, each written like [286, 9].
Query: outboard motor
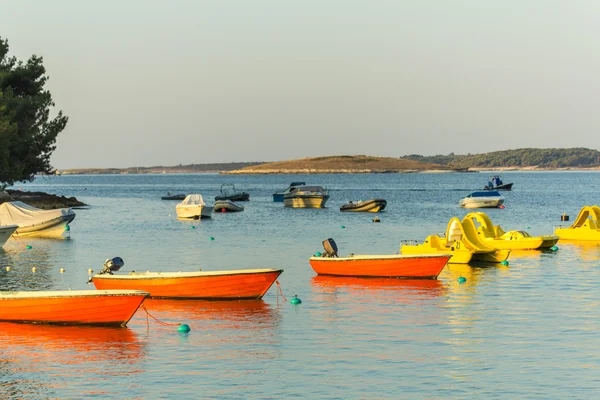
[330, 247]
[112, 265]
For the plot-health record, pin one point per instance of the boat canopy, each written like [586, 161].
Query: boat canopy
[192, 200]
[19, 213]
[297, 183]
[488, 193]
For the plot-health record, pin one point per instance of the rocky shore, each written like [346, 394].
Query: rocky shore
[41, 200]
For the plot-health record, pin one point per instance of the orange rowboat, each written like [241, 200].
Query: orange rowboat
[391, 266]
[206, 285]
[73, 307]
[415, 266]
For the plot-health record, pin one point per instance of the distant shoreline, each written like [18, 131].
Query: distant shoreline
[115, 171]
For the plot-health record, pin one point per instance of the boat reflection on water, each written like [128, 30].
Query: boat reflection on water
[71, 352]
[473, 273]
[375, 289]
[580, 250]
[247, 330]
[244, 314]
[31, 343]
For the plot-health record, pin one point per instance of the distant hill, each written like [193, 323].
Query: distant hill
[578, 157]
[342, 164]
[190, 168]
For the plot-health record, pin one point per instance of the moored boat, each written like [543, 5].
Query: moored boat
[495, 183]
[418, 266]
[32, 221]
[495, 236]
[6, 232]
[206, 285]
[71, 307]
[177, 196]
[278, 196]
[584, 228]
[306, 197]
[487, 199]
[372, 205]
[227, 206]
[461, 241]
[228, 192]
[193, 206]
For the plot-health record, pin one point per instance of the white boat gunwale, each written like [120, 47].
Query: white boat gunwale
[8, 295]
[197, 274]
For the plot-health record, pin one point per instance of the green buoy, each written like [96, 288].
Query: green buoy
[28, 247]
[318, 254]
[462, 279]
[554, 248]
[211, 238]
[193, 227]
[504, 262]
[295, 300]
[184, 328]
[67, 228]
[342, 227]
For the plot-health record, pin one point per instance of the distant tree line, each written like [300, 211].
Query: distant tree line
[578, 157]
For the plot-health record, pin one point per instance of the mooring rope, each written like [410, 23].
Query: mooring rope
[156, 319]
[280, 291]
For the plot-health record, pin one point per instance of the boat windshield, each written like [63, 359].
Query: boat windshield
[308, 189]
[489, 193]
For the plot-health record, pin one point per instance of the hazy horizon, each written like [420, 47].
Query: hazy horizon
[148, 83]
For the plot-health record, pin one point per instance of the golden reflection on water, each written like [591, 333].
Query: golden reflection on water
[586, 250]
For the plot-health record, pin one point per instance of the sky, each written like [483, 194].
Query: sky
[149, 83]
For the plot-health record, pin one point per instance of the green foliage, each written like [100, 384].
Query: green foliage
[437, 159]
[27, 133]
[542, 158]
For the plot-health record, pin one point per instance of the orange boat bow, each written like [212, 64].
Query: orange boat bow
[76, 307]
[208, 285]
[390, 266]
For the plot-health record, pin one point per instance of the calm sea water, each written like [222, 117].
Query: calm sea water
[527, 330]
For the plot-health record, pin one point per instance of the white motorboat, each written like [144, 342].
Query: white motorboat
[306, 197]
[193, 207]
[34, 221]
[278, 196]
[6, 232]
[487, 199]
[227, 206]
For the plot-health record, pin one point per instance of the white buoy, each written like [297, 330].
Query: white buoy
[62, 270]
[8, 268]
[33, 269]
[90, 271]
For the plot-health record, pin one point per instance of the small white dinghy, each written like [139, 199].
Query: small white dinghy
[193, 207]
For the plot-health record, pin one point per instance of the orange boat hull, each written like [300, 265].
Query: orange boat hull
[234, 286]
[393, 266]
[70, 308]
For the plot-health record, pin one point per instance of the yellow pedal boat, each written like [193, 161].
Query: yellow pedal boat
[462, 242]
[585, 226]
[494, 236]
